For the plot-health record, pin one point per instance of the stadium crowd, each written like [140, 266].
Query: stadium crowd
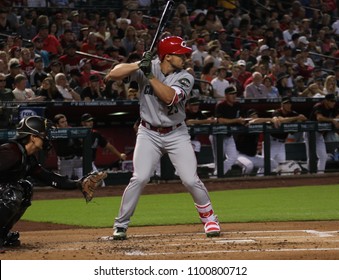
[266, 49]
[257, 49]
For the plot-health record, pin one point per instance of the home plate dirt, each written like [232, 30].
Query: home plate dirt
[262, 241]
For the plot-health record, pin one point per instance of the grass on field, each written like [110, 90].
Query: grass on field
[250, 205]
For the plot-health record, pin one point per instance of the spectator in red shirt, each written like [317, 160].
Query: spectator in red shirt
[329, 6]
[68, 38]
[136, 20]
[70, 60]
[89, 46]
[244, 74]
[27, 64]
[301, 69]
[85, 66]
[101, 64]
[51, 43]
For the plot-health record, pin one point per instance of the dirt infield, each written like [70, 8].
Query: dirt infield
[283, 240]
[263, 241]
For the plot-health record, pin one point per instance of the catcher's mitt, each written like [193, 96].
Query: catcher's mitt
[90, 183]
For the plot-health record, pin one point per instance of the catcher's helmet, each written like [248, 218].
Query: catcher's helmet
[172, 45]
[34, 125]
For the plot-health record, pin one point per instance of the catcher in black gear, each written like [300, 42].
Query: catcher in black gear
[17, 162]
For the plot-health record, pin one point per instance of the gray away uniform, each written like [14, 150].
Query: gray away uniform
[163, 130]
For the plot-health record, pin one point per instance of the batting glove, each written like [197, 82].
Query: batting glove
[146, 64]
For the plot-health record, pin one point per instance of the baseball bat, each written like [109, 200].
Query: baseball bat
[162, 23]
[95, 56]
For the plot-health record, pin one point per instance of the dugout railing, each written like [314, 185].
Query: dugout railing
[220, 131]
[108, 111]
[118, 114]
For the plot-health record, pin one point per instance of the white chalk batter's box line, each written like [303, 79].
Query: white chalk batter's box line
[308, 231]
[249, 239]
[140, 253]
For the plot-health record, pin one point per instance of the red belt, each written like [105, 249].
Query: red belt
[161, 130]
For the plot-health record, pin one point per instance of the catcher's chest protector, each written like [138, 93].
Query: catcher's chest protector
[21, 167]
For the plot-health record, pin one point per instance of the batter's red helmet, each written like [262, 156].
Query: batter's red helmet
[172, 45]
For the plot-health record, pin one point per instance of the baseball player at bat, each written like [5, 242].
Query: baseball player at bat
[164, 89]
[17, 162]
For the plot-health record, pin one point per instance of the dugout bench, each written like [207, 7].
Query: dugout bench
[221, 130]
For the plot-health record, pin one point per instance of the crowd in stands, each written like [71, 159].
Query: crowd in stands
[56, 50]
[265, 48]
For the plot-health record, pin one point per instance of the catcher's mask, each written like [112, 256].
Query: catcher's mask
[35, 125]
